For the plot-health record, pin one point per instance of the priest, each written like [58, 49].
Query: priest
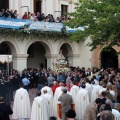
[49, 90]
[74, 89]
[21, 105]
[49, 99]
[95, 92]
[39, 108]
[81, 102]
[88, 88]
[57, 94]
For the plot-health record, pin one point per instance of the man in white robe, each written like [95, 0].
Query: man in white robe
[49, 99]
[104, 88]
[116, 111]
[81, 102]
[95, 92]
[73, 91]
[39, 108]
[57, 94]
[21, 105]
[49, 90]
[88, 88]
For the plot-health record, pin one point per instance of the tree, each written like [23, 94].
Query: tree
[101, 19]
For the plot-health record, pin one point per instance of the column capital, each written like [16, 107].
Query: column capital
[20, 55]
[51, 55]
[73, 55]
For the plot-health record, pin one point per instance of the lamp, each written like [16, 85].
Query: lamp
[25, 6]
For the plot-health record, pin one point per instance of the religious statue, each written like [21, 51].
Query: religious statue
[60, 62]
[60, 56]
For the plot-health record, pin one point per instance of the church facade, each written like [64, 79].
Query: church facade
[34, 53]
[37, 52]
[54, 7]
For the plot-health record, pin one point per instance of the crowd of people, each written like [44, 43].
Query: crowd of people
[77, 94]
[33, 16]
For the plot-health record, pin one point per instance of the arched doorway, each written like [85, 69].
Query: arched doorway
[67, 51]
[36, 55]
[5, 50]
[109, 58]
[4, 4]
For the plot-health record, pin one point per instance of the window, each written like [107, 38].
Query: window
[4, 4]
[64, 9]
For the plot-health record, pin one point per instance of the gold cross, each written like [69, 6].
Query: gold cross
[38, 105]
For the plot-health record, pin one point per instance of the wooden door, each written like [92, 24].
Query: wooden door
[64, 9]
[37, 6]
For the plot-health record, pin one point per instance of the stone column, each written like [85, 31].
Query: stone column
[74, 59]
[43, 10]
[20, 62]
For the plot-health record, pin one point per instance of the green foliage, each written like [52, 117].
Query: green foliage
[101, 19]
[23, 34]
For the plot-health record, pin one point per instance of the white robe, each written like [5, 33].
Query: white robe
[21, 105]
[57, 94]
[39, 109]
[96, 82]
[89, 88]
[50, 104]
[116, 114]
[95, 92]
[74, 89]
[102, 90]
[49, 90]
[112, 93]
[81, 102]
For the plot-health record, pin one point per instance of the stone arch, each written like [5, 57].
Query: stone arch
[67, 51]
[8, 48]
[69, 47]
[13, 46]
[38, 51]
[45, 44]
[109, 58]
[96, 55]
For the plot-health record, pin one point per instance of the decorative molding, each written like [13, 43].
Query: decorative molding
[20, 55]
[51, 56]
[73, 55]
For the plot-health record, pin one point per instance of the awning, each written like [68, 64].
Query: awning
[5, 58]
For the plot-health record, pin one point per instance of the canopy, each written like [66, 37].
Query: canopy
[5, 58]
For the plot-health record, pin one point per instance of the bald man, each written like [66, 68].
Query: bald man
[49, 100]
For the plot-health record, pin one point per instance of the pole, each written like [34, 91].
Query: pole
[25, 6]
[8, 67]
